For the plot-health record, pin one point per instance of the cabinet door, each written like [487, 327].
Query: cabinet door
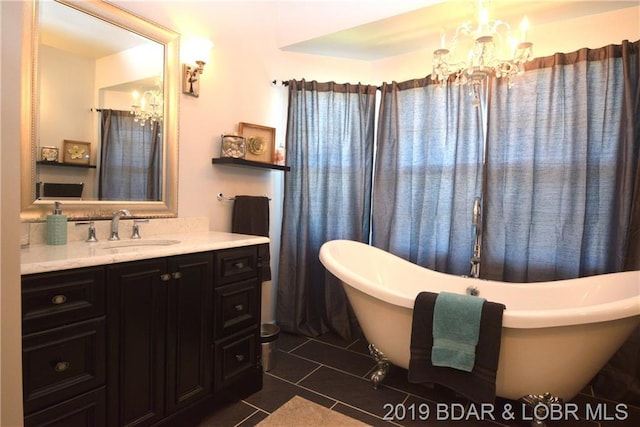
[189, 325]
[137, 298]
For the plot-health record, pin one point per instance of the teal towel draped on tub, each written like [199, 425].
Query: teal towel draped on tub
[456, 328]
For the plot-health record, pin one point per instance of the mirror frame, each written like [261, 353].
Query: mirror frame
[33, 210]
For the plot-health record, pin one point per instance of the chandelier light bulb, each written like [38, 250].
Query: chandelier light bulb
[524, 27]
[483, 20]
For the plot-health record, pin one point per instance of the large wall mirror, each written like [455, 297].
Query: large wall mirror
[100, 112]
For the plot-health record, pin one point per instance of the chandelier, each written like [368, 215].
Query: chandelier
[148, 107]
[480, 49]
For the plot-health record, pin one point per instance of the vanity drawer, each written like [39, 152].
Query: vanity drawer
[58, 298]
[63, 362]
[236, 264]
[235, 307]
[89, 409]
[236, 357]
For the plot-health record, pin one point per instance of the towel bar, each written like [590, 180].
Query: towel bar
[221, 197]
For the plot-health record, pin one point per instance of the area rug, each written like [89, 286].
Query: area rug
[301, 412]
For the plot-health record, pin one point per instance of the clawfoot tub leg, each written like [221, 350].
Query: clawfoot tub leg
[539, 404]
[382, 365]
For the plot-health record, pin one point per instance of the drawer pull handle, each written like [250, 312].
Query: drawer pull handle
[239, 265]
[176, 275]
[239, 307]
[61, 366]
[239, 357]
[165, 277]
[59, 299]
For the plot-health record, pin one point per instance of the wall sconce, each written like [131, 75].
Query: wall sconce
[195, 50]
[191, 78]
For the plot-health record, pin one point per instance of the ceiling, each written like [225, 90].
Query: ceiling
[370, 39]
[413, 31]
[68, 29]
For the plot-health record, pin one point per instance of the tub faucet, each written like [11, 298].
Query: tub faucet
[115, 222]
[477, 243]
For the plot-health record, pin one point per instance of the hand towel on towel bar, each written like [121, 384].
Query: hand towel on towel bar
[251, 216]
[479, 385]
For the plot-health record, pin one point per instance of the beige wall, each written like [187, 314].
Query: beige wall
[235, 87]
[10, 331]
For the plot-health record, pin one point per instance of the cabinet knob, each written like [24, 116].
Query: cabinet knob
[239, 307]
[239, 265]
[59, 299]
[165, 277]
[239, 357]
[61, 366]
[176, 275]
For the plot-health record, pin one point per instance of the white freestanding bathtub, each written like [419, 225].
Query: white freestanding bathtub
[555, 337]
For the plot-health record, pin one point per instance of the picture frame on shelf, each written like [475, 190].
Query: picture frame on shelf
[76, 152]
[259, 142]
[280, 157]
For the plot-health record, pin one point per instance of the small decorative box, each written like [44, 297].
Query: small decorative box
[233, 146]
[49, 154]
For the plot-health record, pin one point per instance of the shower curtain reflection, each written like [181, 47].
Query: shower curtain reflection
[131, 158]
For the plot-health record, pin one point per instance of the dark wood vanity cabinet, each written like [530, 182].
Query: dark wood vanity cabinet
[141, 343]
[64, 348]
[238, 368]
[160, 322]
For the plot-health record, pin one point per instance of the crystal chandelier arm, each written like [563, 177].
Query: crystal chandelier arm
[465, 29]
[495, 25]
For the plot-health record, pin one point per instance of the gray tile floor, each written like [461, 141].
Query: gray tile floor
[334, 374]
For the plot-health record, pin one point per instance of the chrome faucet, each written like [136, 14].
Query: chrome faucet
[115, 222]
[92, 231]
[135, 234]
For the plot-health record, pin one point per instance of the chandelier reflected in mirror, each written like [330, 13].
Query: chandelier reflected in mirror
[147, 107]
[481, 48]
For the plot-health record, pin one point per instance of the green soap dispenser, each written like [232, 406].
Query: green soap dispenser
[57, 227]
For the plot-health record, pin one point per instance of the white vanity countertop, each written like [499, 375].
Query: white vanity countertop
[39, 258]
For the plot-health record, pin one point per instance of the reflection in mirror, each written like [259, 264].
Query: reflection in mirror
[110, 67]
[103, 116]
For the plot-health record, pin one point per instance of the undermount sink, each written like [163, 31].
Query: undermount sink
[136, 243]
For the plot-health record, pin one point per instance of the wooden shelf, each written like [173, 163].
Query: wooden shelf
[68, 165]
[248, 163]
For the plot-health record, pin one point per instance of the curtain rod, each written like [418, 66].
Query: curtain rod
[285, 83]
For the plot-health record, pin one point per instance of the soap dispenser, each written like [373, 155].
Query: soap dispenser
[57, 226]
